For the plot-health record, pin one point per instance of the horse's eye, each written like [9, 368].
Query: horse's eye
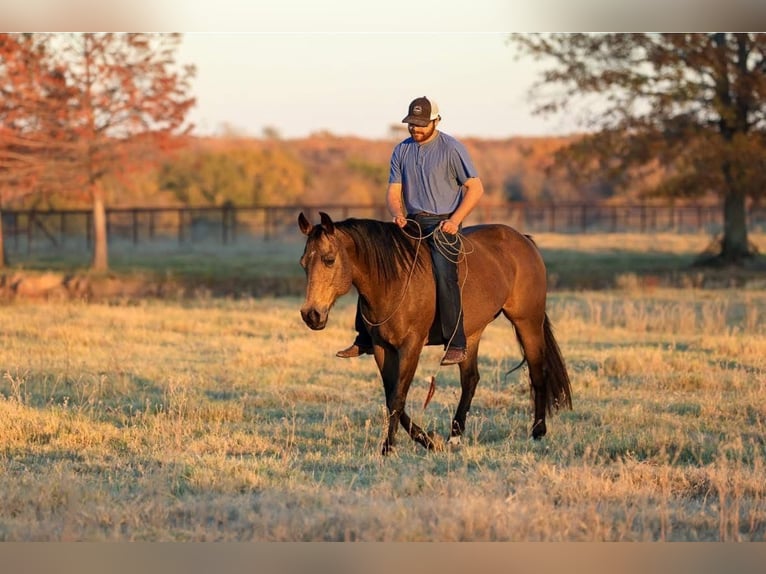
[329, 260]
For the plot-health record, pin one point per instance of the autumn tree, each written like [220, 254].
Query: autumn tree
[691, 105]
[241, 176]
[116, 100]
[25, 82]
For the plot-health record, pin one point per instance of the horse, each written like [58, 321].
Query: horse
[501, 271]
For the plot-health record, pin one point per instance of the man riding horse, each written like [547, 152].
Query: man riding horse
[432, 181]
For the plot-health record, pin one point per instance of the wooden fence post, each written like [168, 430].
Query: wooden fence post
[266, 223]
[135, 226]
[180, 225]
[16, 231]
[30, 231]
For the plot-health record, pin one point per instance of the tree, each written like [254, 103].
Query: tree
[104, 104]
[21, 149]
[241, 175]
[692, 105]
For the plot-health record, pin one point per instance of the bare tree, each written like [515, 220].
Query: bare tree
[692, 104]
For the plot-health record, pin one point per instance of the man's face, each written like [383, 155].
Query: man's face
[422, 134]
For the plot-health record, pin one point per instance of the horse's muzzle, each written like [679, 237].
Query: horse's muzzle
[315, 319]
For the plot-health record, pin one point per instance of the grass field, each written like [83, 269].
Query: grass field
[228, 420]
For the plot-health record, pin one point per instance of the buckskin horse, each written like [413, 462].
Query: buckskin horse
[501, 271]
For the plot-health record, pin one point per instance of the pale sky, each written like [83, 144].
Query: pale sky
[352, 66]
[359, 84]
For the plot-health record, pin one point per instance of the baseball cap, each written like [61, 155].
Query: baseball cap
[422, 111]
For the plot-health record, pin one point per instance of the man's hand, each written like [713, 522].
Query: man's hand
[400, 220]
[449, 226]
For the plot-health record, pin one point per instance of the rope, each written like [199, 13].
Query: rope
[451, 246]
[454, 248]
[406, 284]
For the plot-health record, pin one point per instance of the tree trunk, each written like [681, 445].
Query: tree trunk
[735, 245]
[100, 260]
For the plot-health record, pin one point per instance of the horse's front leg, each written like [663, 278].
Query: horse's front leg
[397, 368]
[429, 440]
[388, 364]
[469, 378]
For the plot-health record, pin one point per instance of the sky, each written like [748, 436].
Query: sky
[351, 67]
[361, 84]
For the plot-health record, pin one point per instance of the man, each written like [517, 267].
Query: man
[433, 181]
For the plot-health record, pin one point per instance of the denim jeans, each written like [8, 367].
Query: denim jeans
[448, 300]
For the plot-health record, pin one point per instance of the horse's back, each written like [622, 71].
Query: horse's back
[504, 270]
[505, 245]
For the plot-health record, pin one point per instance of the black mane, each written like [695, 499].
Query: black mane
[383, 246]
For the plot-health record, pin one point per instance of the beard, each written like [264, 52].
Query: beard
[422, 134]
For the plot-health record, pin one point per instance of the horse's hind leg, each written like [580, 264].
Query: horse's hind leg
[469, 378]
[531, 336]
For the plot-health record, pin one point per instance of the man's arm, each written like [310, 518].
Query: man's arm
[395, 204]
[474, 189]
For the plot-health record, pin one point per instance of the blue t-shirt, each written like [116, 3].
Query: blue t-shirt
[432, 174]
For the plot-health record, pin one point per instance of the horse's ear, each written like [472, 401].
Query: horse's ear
[327, 223]
[304, 224]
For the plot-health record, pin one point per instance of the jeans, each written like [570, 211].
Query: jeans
[448, 300]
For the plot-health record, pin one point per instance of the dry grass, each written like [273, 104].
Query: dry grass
[230, 420]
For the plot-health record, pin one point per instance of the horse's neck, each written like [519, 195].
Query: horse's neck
[383, 298]
[368, 286]
[380, 295]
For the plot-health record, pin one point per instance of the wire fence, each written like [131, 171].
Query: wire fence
[31, 231]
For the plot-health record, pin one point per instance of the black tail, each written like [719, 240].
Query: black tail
[559, 390]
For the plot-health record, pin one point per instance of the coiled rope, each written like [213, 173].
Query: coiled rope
[452, 247]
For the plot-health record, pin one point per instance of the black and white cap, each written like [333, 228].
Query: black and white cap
[422, 112]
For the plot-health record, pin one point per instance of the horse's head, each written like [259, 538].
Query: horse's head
[328, 269]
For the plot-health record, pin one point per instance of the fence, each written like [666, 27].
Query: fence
[29, 230]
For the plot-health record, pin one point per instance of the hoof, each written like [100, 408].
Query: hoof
[538, 430]
[386, 449]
